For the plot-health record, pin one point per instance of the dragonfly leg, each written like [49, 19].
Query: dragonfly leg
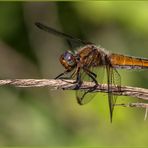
[93, 77]
[78, 79]
[62, 74]
[93, 74]
[59, 76]
[79, 82]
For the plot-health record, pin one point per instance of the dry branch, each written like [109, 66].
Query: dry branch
[138, 105]
[140, 93]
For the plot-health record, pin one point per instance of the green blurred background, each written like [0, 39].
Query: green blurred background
[40, 116]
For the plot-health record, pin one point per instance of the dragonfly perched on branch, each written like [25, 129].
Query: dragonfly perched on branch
[87, 64]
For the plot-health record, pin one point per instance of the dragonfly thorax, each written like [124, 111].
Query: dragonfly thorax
[68, 60]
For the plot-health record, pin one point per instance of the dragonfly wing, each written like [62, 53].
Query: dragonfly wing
[60, 34]
[84, 96]
[113, 79]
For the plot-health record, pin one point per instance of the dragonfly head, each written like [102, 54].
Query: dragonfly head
[68, 60]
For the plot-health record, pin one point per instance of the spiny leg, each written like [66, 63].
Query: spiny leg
[78, 79]
[60, 75]
[93, 77]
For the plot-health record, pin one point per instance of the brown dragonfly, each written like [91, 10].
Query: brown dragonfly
[87, 64]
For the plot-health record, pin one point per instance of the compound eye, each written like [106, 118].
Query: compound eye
[69, 58]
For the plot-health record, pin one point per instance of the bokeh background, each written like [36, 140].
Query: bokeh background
[40, 116]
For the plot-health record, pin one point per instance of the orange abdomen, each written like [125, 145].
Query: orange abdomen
[121, 61]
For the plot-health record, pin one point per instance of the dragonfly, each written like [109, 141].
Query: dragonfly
[89, 62]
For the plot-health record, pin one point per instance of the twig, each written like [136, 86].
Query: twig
[145, 116]
[140, 93]
[139, 105]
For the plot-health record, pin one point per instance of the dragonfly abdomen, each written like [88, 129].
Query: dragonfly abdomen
[127, 62]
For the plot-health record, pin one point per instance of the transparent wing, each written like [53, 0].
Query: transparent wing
[84, 96]
[113, 79]
[100, 72]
